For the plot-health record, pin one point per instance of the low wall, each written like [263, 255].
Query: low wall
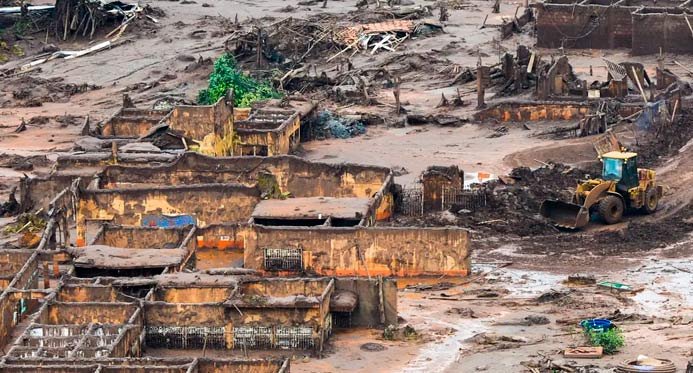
[130, 123]
[143, 237]
[84, 313]
[526, 112]
[516, 111]
[149, 364]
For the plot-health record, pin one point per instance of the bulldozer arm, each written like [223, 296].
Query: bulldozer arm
[571, 215]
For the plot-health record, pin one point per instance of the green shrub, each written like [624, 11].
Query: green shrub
[611, 340]
[246, 89]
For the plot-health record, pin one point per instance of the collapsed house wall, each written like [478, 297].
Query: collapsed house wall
[84, 313]
[526, 112]
[270, 313]
[368, 251]
[642, 25]
[203, 204]
[435, 180]
[90, 163]
[268, 133]
[517, 111]
[667, 29]
[294, 175]
[336, 251]
[196, 122]
[11, 262]
[595, 24]
[143, 238]
[130, 123]
[73, 293]
[36, 192]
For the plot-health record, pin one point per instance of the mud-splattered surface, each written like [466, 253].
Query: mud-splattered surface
[172, 59]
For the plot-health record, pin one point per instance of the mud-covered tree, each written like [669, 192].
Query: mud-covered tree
[227, 76]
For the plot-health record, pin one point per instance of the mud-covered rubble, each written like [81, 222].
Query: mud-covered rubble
[23, 163]
[31, 91]
[513, 202]
[637, 235]
[656, 146]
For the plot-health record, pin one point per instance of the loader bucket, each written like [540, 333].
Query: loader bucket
[565, 215]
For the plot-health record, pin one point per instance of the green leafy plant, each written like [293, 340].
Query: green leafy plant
[611, 340]
[246, 89]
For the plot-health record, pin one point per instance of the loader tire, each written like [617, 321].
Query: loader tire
[611, 209]
[651, 201]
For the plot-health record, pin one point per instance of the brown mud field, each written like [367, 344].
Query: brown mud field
[520, 307]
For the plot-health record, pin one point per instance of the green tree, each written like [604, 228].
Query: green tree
[246, 89]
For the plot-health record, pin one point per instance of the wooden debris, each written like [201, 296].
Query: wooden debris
[586, 352]
[21, 127]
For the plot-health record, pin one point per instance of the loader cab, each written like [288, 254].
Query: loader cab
[621, 167]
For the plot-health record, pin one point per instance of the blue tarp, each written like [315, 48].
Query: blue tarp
[168, 221]
[650, 115]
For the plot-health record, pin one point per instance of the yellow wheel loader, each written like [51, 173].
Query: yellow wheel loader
[622, 187]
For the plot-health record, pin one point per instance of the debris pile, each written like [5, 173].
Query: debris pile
[81, 18]
[512, 203]
[22, 163]
[30, 91]
[666, 140]
[386, 35]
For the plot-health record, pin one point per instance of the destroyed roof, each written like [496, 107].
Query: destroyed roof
[616, 71]
[102, 256]
[313, 208]
[350, 35]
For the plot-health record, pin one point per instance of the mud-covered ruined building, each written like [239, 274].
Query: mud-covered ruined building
[643, 26]
[275, 206]
[262, 131]
[147, 254]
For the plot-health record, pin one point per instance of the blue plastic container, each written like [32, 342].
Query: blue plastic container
[597, 325]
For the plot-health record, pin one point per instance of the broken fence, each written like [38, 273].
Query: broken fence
[412, 203]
